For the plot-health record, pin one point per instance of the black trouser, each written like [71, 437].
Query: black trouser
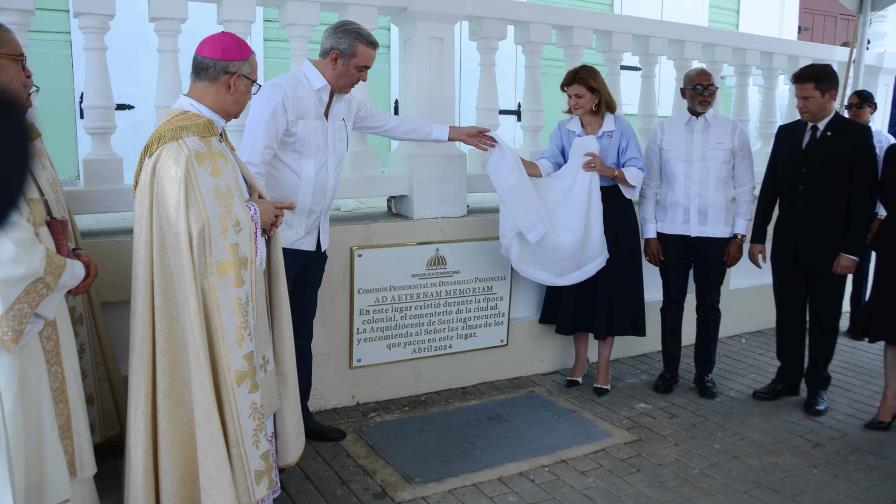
[822, 292]
[304, 272]
[859, 288]
[707, 258]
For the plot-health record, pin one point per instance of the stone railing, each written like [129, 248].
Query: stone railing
[432, 180]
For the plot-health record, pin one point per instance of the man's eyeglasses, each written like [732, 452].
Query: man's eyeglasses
[34, 91]
[856, 106]
[256, 86]
[701, 89]
[18, 57]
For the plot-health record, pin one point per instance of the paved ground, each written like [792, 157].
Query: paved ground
[691, 450]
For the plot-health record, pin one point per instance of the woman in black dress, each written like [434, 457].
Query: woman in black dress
[878, 322]
[611, 302]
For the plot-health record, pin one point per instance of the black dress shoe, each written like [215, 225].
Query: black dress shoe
[879, 425]
[775, 390]
[327, 433]
[601, 390]
[816, 403]
[665, 382]
[706, 386]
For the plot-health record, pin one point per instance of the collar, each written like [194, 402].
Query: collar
[684, 116]
[822, 123]
[574, 124]
[318, 81]
[184, 102]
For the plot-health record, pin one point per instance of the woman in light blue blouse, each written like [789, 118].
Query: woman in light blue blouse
[610, 303]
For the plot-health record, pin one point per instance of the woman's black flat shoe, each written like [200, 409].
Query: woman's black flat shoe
[879, 425]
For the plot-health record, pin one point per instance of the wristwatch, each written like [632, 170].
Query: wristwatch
[739, 237]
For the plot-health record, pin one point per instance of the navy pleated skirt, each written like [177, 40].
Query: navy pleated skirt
[611, 302]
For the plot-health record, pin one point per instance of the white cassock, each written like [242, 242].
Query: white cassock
[103, 386]
[551, 228]
[46, 450]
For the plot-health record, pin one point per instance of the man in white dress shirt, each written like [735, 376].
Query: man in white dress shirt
[697, 162]
[295, 142]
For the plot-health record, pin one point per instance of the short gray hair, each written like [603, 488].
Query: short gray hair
[209, 70]
[344, 37]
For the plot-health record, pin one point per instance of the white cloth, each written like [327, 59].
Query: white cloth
[696, 166]
[296, 153]
[551, 228]
[882, 140]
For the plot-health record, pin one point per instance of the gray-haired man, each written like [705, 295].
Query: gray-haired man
[295, 142]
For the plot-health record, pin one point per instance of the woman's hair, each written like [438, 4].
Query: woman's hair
[866, 97]
[588, 77]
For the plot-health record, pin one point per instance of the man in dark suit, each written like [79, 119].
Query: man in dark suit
[821, 175]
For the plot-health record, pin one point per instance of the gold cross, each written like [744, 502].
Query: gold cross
[212, 157]
[234, 266]
[266, 472]
[247, 373]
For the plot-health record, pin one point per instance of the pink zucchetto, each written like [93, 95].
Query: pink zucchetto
[224, 46]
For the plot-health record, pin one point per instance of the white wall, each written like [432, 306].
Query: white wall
[775, 18]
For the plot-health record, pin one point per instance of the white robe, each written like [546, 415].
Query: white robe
[551, 228]
[212, 358]
[46, 451]
[103, 387]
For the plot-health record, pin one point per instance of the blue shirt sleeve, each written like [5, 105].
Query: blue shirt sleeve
[629, 155]
[555, 153]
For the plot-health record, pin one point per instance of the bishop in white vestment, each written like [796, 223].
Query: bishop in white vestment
[213, 394]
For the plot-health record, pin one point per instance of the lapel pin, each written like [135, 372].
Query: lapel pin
[828, 133]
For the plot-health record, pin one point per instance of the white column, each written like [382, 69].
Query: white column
[714, 59]
[487, 33]
[770, 65]
[237, 16]
[613, 46]
[168, 16]
[877, 33]
[102, 166]
[790, 112]
[532, 37]
[683, 53]
[362, 158]
[299, 19]
[437, 172]
[574, 41]
[745, 59]
[17, 14]
[648, 50]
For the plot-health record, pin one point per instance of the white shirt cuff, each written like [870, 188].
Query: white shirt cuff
[741, 226]
[648, 230]
[854, 258]
[440, 133]
[634, 177]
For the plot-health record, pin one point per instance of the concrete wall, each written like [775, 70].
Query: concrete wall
[532, 348]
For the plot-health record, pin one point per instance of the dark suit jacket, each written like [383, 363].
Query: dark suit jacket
[885, 239]
[825, 199]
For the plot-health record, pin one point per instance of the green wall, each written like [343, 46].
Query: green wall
[276, 62]
[50, 59]
[724, 14]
